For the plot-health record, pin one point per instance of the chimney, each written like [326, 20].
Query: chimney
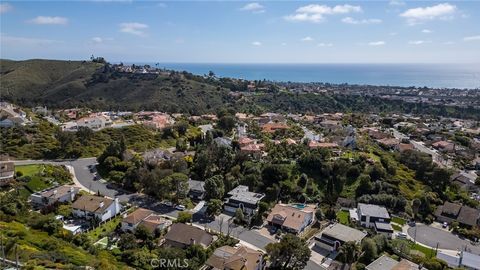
[55, 191]
[72, 193]
[101, 204]
[192, 241]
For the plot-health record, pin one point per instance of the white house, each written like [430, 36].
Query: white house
[143, 217]
[369, 214]
[65, 193]
[102, 208]
[241, 197]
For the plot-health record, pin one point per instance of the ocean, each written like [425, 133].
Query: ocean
[406, 75]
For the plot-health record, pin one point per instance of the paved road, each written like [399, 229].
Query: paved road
[430, 236]
[84, 176]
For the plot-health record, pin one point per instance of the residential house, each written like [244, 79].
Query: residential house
[293, 218]
[61, 194]
[402, 147]
[196, 189]
[315, 144]
[159, 121]
[387, 263]
[335, 235]
[241, 197]
[93, 122]
[149, 219]
[369, 214]
[464, 215]
[444, 146]
[235, 258]
[331, 125]
[388, 143]
[91, 206]
[181, 235]
[465, 180]
[384, 228]
[223, 142]
[7, 172]
[254, 149]
[271, 127]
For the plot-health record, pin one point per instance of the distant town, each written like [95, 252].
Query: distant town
[392, 165]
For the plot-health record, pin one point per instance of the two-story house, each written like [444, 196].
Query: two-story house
[61, 194]
[293, 218]
[241, 197]
[91, 206]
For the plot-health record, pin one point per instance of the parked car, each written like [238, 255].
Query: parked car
[180, 207]
[444, 225]
[402, 235]
[167, 203]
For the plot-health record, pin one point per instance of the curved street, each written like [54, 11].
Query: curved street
[431, 236]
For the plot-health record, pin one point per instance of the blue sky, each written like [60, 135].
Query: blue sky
[244, 32]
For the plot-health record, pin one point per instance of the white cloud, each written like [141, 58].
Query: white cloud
[423, 14]
[161, 5]
[350, 20]
[316, 13]
[427, 31]
[392, 33]
[49, 20]
[418, 42]
[396, 3]
[253, 7]
[449, 42]
[100, 40]
[471, 38]
[256, 43]
[307, 38]
[25, 41]
[377, 43]
[324, 44]
[133, 28]
[284, 44]
[5, 7]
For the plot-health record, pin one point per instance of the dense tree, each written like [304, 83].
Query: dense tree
[214, 187]
[348, 252]
[369, 250]
[214, 207]
[291, 252]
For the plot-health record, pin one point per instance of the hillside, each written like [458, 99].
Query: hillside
[81, 83]
[64, 84]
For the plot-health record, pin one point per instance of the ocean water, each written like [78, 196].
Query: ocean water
[419, 75]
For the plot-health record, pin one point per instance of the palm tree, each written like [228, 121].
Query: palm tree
[348, 253]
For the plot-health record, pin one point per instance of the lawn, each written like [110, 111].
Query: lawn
[343, 217]
[414, 247]
[29, 170]
[39, 177]
[104, 229]
[399, 220]
[396, 227]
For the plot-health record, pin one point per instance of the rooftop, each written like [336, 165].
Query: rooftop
[343, 233]
[373, 210]
[241, 193]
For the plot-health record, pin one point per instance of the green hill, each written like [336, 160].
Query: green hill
[64, 84]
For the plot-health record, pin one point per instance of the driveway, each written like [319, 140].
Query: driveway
[430, 236]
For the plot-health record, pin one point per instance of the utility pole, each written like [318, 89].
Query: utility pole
[16, 257]
[3, 250]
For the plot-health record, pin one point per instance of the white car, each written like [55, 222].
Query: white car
[402, 235]
[167, 203]
[180, 207]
